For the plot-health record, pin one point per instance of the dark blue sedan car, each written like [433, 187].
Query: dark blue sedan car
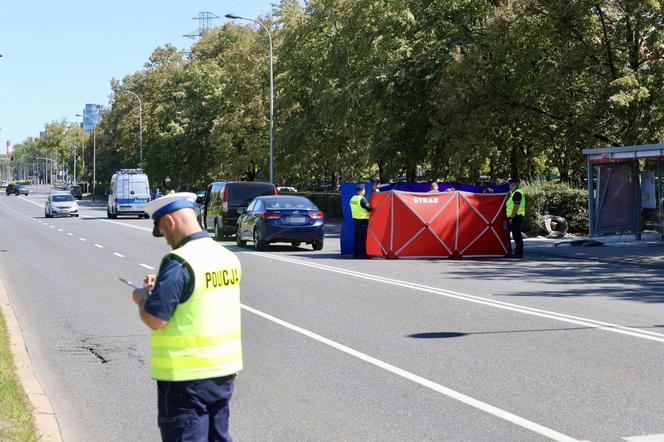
[281, 218]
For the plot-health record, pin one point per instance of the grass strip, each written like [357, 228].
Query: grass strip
[16, 422]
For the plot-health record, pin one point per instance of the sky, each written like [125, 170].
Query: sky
[59, 55]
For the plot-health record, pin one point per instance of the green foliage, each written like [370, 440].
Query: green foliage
[555, 199]
[328, 202]
[436, 89]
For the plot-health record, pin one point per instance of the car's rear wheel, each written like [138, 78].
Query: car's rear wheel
[317, 245]
[46, 215]
[296, 243]
[240, 242]
[259, 244]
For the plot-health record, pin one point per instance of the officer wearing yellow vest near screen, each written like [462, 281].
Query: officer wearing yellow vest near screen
[515, 210]
[359, 209]
[193, 308]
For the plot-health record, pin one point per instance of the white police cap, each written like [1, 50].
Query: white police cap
[167, 204]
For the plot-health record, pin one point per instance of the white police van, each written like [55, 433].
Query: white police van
[129, 193]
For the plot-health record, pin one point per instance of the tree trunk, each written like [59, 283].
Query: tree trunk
[514, 161]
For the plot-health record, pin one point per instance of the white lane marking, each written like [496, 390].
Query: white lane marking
[147, 266]
[82, 239]
[60, 230]
[99, 246]
[31, 202]
[645, 438]
[70, 234]
[119, 255]
[482, 406]
[577, 320]
[145, 229]
[52, 227]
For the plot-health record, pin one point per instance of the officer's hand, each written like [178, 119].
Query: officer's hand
[139, 296]
[148, 282]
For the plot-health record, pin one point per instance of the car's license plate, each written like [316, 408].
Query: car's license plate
[297, 219]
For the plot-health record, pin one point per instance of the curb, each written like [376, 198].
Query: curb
[42, 412]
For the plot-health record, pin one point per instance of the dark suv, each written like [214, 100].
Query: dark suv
[16, 189]
[76, 191]
[225, 200]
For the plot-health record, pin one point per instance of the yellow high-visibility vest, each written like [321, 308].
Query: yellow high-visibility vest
[509, 206]
[356, 209]
[202, 339]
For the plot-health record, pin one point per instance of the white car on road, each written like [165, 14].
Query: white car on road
[60, 203]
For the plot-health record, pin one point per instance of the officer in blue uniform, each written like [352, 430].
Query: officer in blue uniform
[360, 208]
[193, 308]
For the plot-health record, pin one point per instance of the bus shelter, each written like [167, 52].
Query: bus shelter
[619, 189]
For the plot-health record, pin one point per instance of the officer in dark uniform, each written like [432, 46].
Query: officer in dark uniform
[193, 308]
[375, 185]
[515, 210]
[360, 208]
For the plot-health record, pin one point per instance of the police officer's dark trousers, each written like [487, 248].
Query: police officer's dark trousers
[360, 240]
[515, 228]
[195, 410]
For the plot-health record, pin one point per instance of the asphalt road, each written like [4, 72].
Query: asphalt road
[338, 349]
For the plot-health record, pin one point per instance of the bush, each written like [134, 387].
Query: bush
[555, 199]
[328, 202]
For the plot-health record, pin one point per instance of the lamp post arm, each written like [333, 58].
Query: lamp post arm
[269, 37]
[140, 123]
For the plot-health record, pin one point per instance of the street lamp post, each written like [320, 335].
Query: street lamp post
[140, 123]
[94, 151]
[47, 162]
[269, 37]
[67, 145]
[68, 148]
[74, 181]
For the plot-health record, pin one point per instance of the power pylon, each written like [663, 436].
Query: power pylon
[204, 24]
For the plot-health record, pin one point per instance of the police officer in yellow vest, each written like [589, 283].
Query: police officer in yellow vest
[193, 308]
[515, 210]
[359, 209]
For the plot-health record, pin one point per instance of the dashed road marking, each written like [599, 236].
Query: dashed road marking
[70, 234]
[119, 255]
[99, 246]
[82, 239]
[147, 266]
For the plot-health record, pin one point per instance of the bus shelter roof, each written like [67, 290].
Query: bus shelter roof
[608, 154]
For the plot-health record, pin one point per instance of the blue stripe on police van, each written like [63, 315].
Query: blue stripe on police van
[133, 201]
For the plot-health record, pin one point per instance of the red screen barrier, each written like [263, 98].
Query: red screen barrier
[446, 224]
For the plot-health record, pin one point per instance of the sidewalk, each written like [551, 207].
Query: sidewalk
[617, 249]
